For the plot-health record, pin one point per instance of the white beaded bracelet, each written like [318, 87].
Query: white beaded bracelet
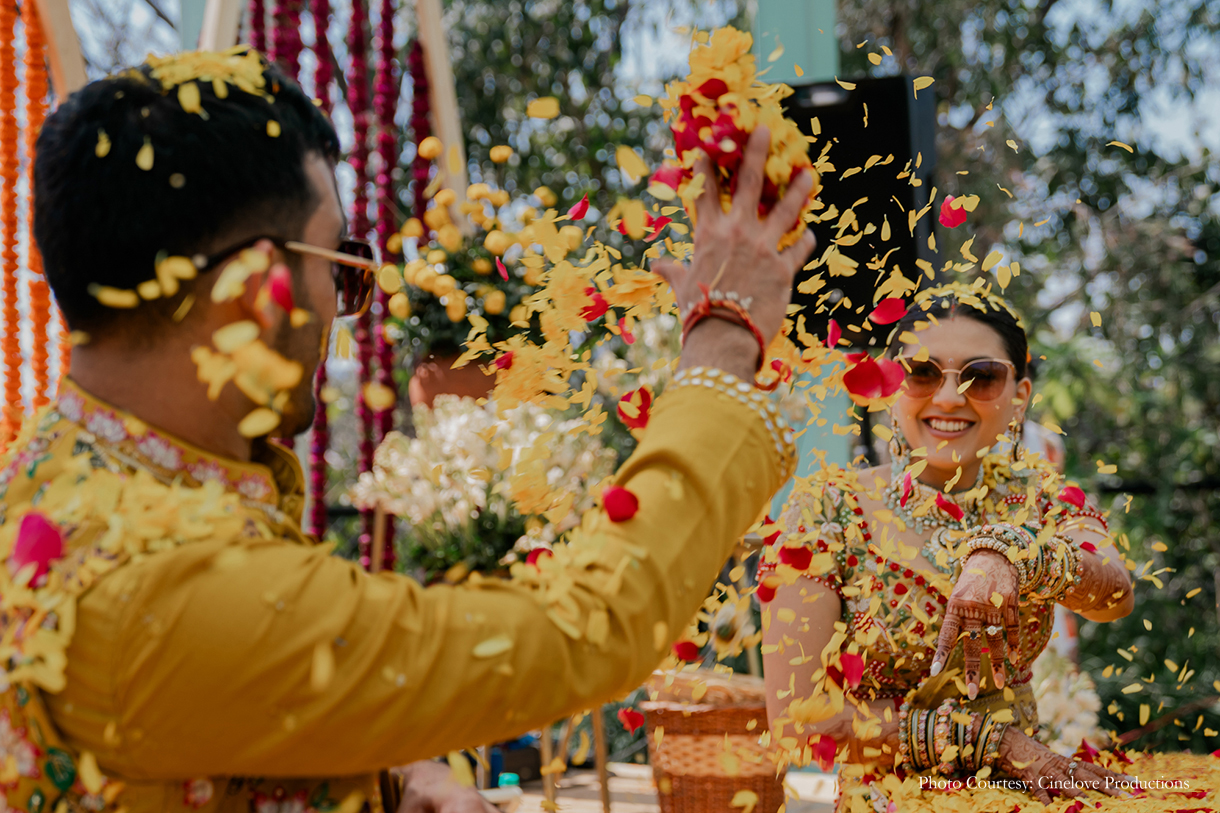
[746, 394]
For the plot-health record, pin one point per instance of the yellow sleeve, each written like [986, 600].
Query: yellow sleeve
[268, 658]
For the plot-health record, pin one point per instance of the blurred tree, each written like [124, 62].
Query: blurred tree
[506, 53]
[1131, 234]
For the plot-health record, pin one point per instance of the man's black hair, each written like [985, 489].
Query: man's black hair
[102, 220]
[1016, 343]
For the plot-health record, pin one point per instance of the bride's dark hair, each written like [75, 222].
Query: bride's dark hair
[999, 319]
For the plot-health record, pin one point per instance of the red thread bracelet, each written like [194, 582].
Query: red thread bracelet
[733, 313]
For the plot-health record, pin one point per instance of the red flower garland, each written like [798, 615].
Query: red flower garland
[323, 74]
[385, 105]
[258, 26]
[320, 438]
[420, 129]
[286, 37]
[358, 104]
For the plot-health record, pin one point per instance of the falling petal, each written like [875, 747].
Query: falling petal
[888, 311]
[631, 164]
[258, 422]
[144, 158]
[579, 210]
[491, 647]
[235, 336]
[546, 107]
[631, 719]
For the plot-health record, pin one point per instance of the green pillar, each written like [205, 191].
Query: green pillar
[190, 23]
[806, 29]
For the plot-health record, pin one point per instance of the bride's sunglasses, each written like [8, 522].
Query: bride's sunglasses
[983, 379]
[352, 266]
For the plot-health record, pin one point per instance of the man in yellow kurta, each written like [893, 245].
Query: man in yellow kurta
[171, 639]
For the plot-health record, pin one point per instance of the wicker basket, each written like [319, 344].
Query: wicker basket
[708, 752]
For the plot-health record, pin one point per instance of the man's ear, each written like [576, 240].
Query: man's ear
[255, 301]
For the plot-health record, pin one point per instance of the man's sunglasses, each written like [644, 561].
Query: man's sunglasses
[983, 380]
[353, 267]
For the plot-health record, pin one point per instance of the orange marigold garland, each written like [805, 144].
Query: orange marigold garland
[35, 113]
[10, 343]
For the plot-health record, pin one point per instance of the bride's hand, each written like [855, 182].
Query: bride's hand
[1043, 770]
[972, 610]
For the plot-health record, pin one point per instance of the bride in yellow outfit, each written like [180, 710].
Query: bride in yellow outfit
[903, 605]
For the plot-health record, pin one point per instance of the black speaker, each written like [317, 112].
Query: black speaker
[881, 140]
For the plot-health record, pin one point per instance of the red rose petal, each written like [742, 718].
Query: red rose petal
[537, 553]
[1073, 495]
[620, 504]
[1086, 752]
[797, 557]
[824, 750]
[713, 89]
[833, 334]
[863, 380]
[1089, 546]
[766, 589]
[853, 669]
[596, 308]
[907, 488]
[892, 375]
[39, 542]
[631, 719]
[628, 336]
[500, 267]
[581, 209]
[504, 361]
[642, 399]
[657, 225]
[888, 311]
[770, 540]
[670, 175]
[951, 216]
[686, 651]
[279, 287]
[949, 507]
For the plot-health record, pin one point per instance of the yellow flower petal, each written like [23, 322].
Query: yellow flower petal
[631, 164]
[103, 144]
[189, 99]
[90, 776]
[114, 297]
[273, 128]
[144, 158]
[546, 107]
[322, 668]
[236, 335]
[258, 422]
[491, 647]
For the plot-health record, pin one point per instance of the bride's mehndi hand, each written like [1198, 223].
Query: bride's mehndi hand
[973, 611]
[1025, 758]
